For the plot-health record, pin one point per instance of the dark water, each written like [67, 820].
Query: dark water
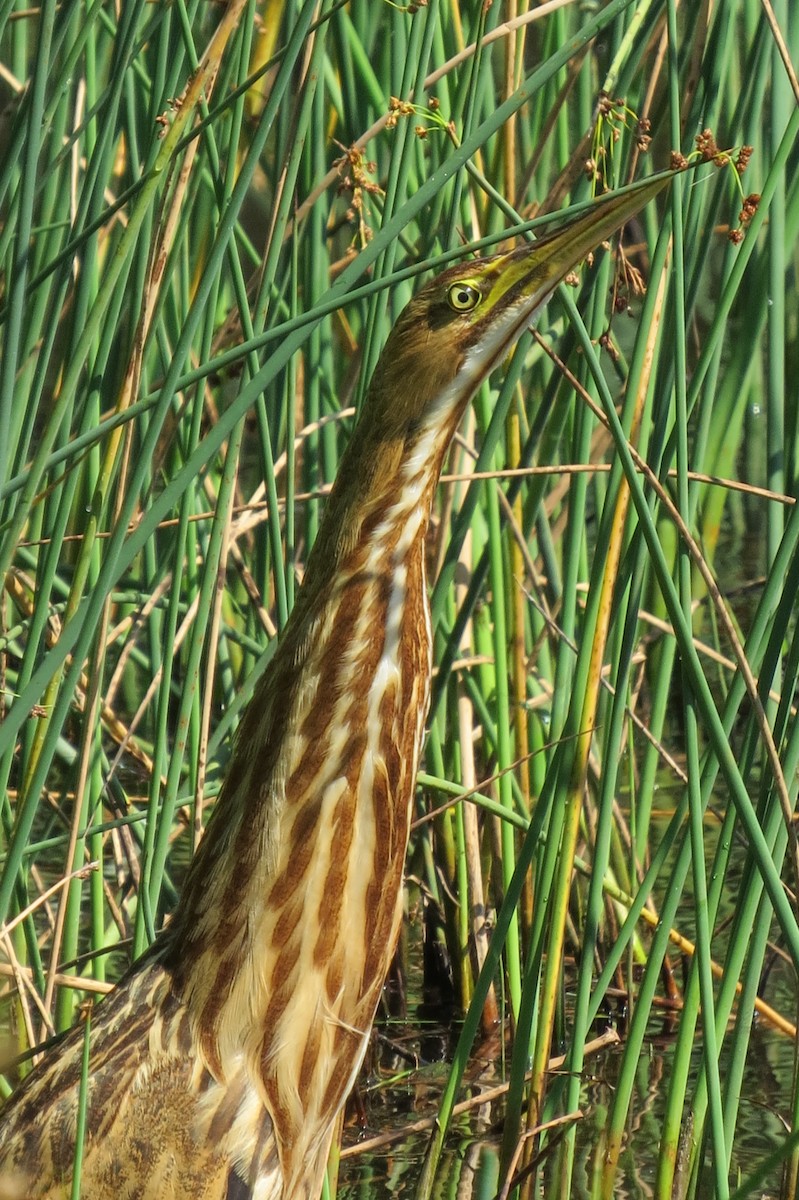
[470, 1167]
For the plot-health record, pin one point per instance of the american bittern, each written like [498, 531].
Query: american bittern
[220, 1062]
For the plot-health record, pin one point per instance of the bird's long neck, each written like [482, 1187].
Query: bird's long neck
[291, 909]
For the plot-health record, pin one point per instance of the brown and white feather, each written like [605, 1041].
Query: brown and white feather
[218, 1066]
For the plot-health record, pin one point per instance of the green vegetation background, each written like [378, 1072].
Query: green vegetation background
[212, 213]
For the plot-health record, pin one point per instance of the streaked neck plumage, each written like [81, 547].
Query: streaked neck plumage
[304, 852]
[291, 911]
[269, 973]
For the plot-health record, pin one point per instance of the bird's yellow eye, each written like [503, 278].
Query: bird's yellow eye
[463, 297]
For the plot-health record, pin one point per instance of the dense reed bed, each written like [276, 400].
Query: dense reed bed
[212, 214]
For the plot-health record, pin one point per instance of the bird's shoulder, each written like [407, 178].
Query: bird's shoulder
[153, 1112]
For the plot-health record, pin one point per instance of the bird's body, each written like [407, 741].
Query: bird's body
[254, 955]
[220, 1063]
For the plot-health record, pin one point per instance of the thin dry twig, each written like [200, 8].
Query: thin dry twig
[501, 31]
[782, 49]
[81, 873]
[605, 1042]
[719, 605]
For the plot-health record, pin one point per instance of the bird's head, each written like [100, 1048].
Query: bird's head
[460, 325]
[443, 345]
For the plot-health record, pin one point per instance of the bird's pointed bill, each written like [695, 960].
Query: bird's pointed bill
[514, 286]
[536, 267]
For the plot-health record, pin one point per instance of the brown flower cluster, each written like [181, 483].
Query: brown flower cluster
[643, 136]
[398, 108]
[403, 108]
[708, 150]
[606, 105]
[354, 170]
[628, 284]
[742, 161]
[748, 210]
[612, 116]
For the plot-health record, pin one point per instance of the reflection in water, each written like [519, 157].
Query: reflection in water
[470, 1168]
[469, 1171]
